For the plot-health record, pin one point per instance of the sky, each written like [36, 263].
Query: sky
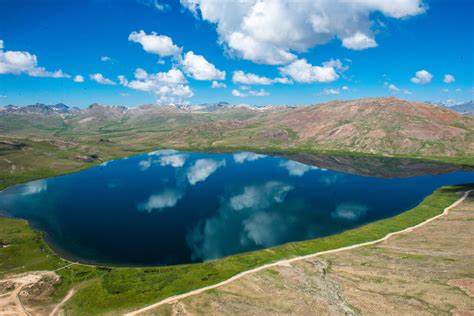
[257, 52]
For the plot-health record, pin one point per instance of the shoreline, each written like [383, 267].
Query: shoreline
[160, 283]
[174, 298]
[272, 151]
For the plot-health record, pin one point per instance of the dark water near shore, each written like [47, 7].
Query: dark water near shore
[171, 207]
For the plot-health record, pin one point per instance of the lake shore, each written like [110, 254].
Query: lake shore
[115, 289]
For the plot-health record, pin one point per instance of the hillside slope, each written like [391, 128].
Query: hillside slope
[376, 126]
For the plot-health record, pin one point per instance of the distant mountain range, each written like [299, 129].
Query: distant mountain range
[466, 108]
[377, 126]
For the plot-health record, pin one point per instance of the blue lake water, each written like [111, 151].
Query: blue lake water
[170, 207]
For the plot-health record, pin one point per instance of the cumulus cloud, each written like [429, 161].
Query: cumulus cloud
[295, 168]
[349, 211]
[105, 58]
[304, 72]
[165, 199]
[202, 169]
[242, 157]
[218, 85]
[395, 90]
[199, 68]
[358, 41]
[155, 4]
[99, 78]
[161, 45]
[249, 78]
[78, 78]
[170, 86]
[448, 78]
[330, 91]
[273, 31]
[252, 93]
[422, 77]
[20, 62]
[242, 77]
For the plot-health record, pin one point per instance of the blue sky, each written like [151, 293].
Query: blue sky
[304, 53]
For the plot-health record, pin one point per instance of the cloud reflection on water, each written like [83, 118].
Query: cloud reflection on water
[296, 168]
[248, 218]
[202, 169]
[242, 157]
[34, 187]
[165, 199]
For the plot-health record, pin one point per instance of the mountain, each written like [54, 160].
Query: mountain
[42, 109]
[465, 108]
[383, 126]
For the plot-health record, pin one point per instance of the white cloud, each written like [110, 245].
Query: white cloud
[19, 62]
[249, 78]
[199, 68]
[1, 44]
[170, 86]
[218, 85]
[330, 91]
[165, 199]
[105, 58]
[445, 90]
[202, 169]
[252, 93]
[78, 78]
[336, 64]
[242, 157]
[237, 93]
[176, 160]
[273, 31]
[155, 4]
[161, 45]
[260, 196]
[422, 77]
[302, 71]
[283, 80]
[99, 78]
[345, 88]
[349, 211]
[296, 168]
[358, 41]
[260, 93]
[242, 77]
[448, 78]
[395, 90]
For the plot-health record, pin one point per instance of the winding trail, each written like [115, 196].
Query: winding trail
[68, 296]
[173, 299]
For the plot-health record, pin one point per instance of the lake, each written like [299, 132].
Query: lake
[170, 207]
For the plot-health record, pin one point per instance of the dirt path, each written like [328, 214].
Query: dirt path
[58, 307]
[173, 299]
[10, 303]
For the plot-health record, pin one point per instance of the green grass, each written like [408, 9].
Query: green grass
[119, 289]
